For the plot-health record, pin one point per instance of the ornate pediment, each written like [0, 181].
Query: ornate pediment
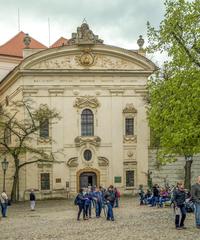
[129, 108]
[72, 162]
[86, 101]
[86, 59]
[93, 140]
[84, 36]
[102, 161]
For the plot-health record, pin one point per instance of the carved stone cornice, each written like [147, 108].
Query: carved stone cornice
[129, 108]
[103, 162]
[130, 139]
[86, 101]
[72, 162]
[93, 140]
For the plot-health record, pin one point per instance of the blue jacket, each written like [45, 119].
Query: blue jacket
[81, 199]
[88, 198]
[99, 196]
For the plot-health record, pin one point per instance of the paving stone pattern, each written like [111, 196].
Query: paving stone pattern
[56, 220]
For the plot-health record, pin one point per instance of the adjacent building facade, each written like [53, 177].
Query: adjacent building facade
[99, 90]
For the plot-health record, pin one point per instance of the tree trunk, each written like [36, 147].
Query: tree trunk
[188, 165]
[14, 194]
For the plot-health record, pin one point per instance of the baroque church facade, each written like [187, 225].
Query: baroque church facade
[99, 91]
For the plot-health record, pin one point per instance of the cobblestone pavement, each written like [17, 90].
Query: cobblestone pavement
[56, 219]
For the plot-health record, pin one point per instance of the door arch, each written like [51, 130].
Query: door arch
[92, 175]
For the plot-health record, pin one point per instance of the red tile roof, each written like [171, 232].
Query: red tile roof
[14, 47]
[60, 42]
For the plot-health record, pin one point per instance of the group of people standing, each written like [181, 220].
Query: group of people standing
[99, 198]
[179, 199]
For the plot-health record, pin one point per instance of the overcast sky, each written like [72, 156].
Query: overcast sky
[117, 22]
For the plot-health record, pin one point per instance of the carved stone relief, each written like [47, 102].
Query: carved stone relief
[102, 161]
[86, 101]
[129, 108]
[72, 162]
[86, 59]
[130, 139]
[93, 140]
[84, 35]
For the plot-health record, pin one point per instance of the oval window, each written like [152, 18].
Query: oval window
[87, 155]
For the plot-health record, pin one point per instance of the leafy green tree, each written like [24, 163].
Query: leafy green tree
[19, 127]
[174, 110]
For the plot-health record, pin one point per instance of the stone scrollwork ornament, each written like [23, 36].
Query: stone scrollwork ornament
[86, 101]
[129, 108]
[103, 162]
[72, 162]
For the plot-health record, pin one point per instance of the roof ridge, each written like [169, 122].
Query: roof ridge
[11, 38]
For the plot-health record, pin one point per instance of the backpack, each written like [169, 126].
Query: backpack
[118, 194]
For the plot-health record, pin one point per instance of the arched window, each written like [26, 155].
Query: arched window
[87, 123]
[44, 128]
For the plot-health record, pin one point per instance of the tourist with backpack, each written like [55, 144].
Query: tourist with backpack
[117, 197]
[110, 199]
[80, 202]
[179, 206]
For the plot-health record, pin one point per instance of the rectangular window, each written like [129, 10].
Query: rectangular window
[45, 181]
[44, 129]
[130, 178]
[129, 128]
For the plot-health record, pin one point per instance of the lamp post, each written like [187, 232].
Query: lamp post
[4, 164]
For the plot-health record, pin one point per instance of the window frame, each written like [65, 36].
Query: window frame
[46, 129]
[126, 126]
[87, 125]
[134, 172]
[41, 181]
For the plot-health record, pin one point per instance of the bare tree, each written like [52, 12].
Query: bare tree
[20, 124]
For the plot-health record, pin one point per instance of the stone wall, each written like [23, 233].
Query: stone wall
[172, 172]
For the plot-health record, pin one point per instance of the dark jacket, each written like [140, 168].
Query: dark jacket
[196, 193]
[179, 197]
[80, 199]
[110, 196]
[155, 192]
[32, 196]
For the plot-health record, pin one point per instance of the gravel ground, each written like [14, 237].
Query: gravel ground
[56, 219]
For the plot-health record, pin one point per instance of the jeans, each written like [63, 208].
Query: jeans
[98, 209]
[110, 212]
[180, 218]
[81, 208]
[197, 213]
[3, 209]
[154, 201]
[117, 202]
[86, 211]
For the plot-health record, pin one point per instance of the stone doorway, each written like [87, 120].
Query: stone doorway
[88, 179]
